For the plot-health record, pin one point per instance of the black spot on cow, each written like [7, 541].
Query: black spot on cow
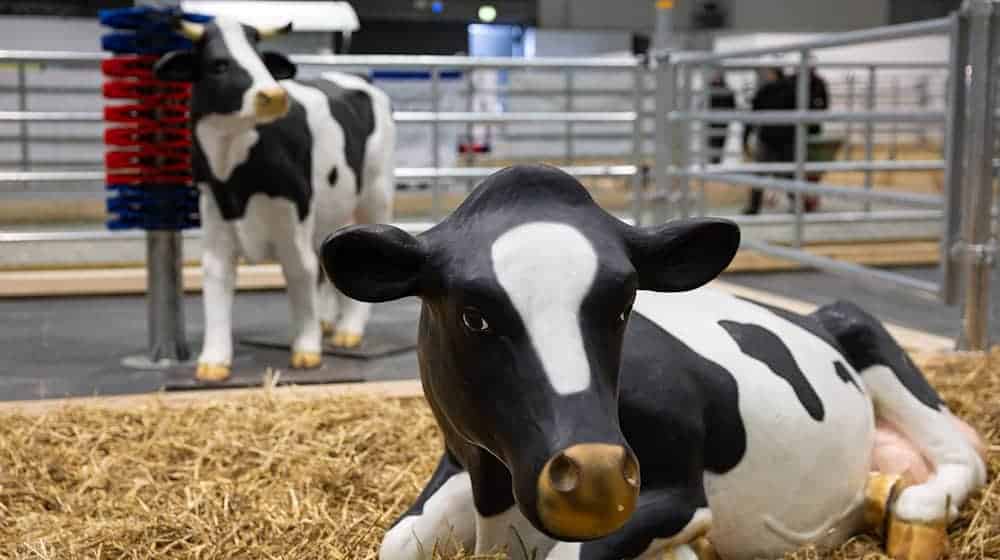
[274, 167]
[352, 109]
[846, 376]
[332, 177]
[763, 345]
[867, 343]
[807, 322]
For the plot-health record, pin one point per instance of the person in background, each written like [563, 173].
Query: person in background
[721, 97]
[819, 100]
[775, 143]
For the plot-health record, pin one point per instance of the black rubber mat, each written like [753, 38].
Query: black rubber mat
[252, 366]
[383, 338]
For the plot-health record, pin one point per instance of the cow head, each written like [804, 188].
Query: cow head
[527, 289]
[231, 78]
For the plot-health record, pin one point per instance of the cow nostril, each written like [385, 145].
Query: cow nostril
[630, 469]
[564, 473]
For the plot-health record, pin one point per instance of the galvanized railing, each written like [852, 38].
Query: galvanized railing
[968, 159]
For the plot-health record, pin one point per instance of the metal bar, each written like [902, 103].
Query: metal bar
[165, 297]
[860, 273]
[927, 27]
[460, 117]
[977, 246]
[802, 104]
[459, 62]
[568, 93]
[456, 62]
[637, 202]
[835, 166]
[50, 176]
[435, 145]
[22, 127]
[869, 130]
[848, 193]
[792, 117]
[479, 172]
[50, 116]
[664, 156]
[954, 151]
[73, 236]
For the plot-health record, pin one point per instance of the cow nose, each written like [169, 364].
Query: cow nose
[271, 103]
[588, 490]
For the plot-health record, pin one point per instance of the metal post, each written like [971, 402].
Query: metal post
[954, 152]
[22, 105]
[638, 86]
[849, 148]
[801, 139]
[704, 132]
[894, 127]
[869, 131]
[684, 183]
[663, 156]
[569, 107]
[165, 297]
[470, 128]
[923, 101]
[435, 144]
[978, 248]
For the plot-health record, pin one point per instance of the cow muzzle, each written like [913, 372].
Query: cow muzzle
[588, 491]
[270, 103]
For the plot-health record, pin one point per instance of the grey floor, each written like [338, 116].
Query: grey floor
[55, 347]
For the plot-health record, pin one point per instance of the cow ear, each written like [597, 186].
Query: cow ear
[176, 66]
[278, 65]
[683, 254]
[374, 263]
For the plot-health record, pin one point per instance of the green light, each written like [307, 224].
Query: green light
[487, 13]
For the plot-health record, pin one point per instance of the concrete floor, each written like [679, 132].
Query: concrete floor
[54, 347]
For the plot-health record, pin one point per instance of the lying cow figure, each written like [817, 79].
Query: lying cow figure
[279, 163]
[561, 349]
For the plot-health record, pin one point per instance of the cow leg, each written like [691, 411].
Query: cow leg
[218, 264]
[300, 266]
[375, 207]
[904, 399]
[441, 520]
[328, 303]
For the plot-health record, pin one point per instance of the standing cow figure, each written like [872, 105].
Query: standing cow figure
[278, 162]
[559, 355]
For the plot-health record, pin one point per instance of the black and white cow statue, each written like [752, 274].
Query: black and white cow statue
[279, 162]
[561, 349]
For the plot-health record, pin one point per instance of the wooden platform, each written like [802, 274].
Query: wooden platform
[132, 280]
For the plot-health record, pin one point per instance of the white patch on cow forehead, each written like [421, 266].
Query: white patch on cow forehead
[547, 269]
[244, 54]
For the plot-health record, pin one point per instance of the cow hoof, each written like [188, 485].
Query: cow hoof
[212, 372]
[327, 328]
[916, 541]
[306, 360]
[880, 494]
[346, 340]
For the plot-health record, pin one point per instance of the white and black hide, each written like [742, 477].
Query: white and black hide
[278, 162]
[598, 403]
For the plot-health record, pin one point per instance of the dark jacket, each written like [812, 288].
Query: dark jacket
[721, 98]
[778, 95]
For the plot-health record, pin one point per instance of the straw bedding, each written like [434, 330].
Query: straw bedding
[269, 477]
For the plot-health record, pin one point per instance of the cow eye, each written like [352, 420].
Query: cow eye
[474, 321]
[220, 66]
